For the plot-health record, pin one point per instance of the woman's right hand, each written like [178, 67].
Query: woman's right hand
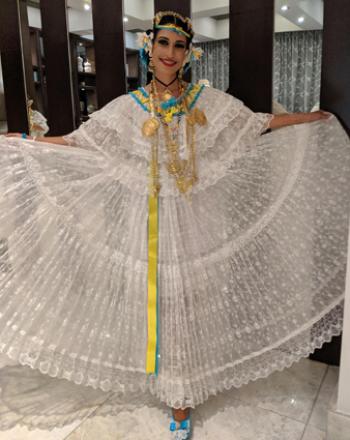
[17, 135]
[58, 140]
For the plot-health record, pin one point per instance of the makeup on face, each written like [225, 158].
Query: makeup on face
[170, 52]
[163, 41]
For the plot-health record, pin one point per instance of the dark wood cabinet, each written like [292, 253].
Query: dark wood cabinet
[83, 74]
[38, 67]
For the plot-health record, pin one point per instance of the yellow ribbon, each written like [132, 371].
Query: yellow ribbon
[151, 360]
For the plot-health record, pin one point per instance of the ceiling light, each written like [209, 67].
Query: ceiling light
[284, 8]
[125, 19]
[301, 19]
[86, 7]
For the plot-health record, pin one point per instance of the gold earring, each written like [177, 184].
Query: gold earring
[181, 72]
[151, 65]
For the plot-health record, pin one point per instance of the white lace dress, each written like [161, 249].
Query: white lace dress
[251, 271]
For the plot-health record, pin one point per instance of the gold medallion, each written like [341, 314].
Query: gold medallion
[167, 95]
[199, 116]
[183, 184]
[177, 166]
[190, 119]
[150, 127]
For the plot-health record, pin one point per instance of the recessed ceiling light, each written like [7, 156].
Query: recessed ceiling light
[125, 19]
[284, 8]
[86, 7]
[301, 19]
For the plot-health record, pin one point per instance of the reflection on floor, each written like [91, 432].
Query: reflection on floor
[288, 405]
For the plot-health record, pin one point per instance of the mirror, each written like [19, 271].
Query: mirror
[297, 55]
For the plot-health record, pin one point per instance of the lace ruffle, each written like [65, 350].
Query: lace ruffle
[232, 129]
[123, 119]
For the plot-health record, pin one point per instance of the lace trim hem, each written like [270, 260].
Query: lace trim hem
[276, 357]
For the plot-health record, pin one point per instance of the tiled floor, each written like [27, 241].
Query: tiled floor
[288, 405]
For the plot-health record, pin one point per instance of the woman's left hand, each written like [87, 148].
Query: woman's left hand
[315, 116]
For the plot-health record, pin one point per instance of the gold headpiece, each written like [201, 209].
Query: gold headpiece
[173, 26]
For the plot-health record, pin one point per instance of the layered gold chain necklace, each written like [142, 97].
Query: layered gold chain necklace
[162, 115]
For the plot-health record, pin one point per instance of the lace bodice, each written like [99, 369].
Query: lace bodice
[116, 131]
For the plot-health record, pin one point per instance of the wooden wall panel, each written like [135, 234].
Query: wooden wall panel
[251, 52]
[110, 56]
[58, 67]
[26, 51]
[15, 89]
[335, 74]
[74, 41]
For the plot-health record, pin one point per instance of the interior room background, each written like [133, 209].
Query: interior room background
[296, 69]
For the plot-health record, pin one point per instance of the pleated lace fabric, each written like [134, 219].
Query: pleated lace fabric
[251, 269]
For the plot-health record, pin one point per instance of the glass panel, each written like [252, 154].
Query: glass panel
[297, 55]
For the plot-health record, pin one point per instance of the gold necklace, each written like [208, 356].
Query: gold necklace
[166, 93]
[183, 170]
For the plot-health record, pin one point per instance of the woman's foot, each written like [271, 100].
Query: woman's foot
[180, 424]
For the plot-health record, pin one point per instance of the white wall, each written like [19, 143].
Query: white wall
[34, 17]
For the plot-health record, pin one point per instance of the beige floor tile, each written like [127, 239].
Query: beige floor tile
[22, 433]
[313, 433]
[29, 398]
[290, 392]
[322, 405]
[220, 418]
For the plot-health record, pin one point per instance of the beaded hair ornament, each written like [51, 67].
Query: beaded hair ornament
[145, 39]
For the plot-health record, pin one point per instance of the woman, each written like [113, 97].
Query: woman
[181, 252]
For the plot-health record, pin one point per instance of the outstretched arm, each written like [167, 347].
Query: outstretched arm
[297, 118]
[49, 139]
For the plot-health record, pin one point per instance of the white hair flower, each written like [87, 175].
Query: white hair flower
[204, 82]
[144, 41]
[194, 54]
[197, 52]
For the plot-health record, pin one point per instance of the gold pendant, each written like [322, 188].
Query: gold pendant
[173, 167]
[183, 184]
[150, 127]
[177, 166]
[199, 117]
[190, 119]
[155, 189]
[167, 95]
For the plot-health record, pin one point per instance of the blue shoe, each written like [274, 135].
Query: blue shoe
[181, 430]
